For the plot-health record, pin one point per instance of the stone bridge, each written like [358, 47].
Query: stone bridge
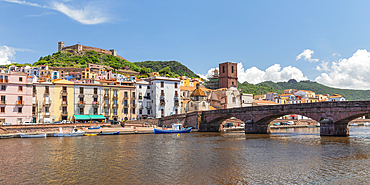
[333, 116]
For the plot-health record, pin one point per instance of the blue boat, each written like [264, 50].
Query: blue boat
[95, 127]
[109, 133]
[176, 128]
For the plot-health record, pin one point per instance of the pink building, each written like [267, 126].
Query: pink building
[16, 98]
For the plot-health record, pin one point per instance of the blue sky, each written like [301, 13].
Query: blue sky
[323, 41]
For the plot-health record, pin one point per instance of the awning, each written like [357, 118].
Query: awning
[95, 117]
[82, 117]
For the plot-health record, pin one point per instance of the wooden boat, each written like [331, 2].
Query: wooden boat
[75, 132]
[95, 127]
[109, 133]
[32, 135]
[176, 128]
[90, 134]
[6, 136]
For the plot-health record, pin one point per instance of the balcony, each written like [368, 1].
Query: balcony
[64, 93]
[47, 102]
[106, 96]
[95, 104]
[47, 92]
[162, 103]
[141, 106]
[106, 105]
[133, 105]
[177, 104]
[2, 103]
[95, 96]
[64, 103]
[47, 113]
[64, 113]
[176, 97]
[81, 96]
[147, 97]
[115, 96]
[1, 80]
[125, 97]
[126, 105]
[149, 107]
[20, 103]
[34, 100]
[162, 96]
[115, 105]
[81, 104]
[6, 80]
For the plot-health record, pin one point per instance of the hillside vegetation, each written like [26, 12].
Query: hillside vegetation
[67, 59]
[279, 87]
[174, 66]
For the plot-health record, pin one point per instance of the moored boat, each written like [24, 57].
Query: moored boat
[353, 124]
[32, 135]
[109, 133]
[75, 132]
[176, 128]
[95, 127]
[90, 134]
[6, 136]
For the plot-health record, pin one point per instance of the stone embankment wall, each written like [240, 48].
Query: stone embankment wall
[141, 123]
[45, 127]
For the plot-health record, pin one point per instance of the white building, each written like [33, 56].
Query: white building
[165, 96]
[144, 99]
[336, 97]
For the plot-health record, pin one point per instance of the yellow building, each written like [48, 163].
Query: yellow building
[63, 100]
[88, 74]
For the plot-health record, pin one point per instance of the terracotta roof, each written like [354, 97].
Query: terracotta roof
[285, 94]
[323, 100]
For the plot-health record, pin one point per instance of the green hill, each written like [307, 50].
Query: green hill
[80, 60]
[175, 67]
[279, 87]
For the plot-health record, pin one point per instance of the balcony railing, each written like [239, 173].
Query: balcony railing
[106, 105]
[162, 103]
[1, 80]
[19, 102]
[141, 106]
[64, 102]
[115, 105]
[95, 95]
[149, 107]
[81, 95]
[147, 97]
[6, 80]
[125, 97]
[2, 103]
[64, 92]
[106, 95]
[64, 113]
[95, 104]
[47, 92]
[81, 104]
[177, 104]
[126, 105]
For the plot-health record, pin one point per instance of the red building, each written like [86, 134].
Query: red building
[228, 75]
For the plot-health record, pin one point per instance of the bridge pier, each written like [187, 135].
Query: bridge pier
[255, 128]
[329, 128]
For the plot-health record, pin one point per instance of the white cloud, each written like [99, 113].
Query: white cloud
[6, 54]
[90, 14]
[351, 73]
[274, 73]
[209, 73]
[324, 66]
[307, 54]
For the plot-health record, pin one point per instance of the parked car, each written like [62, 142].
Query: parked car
[27, 123]
[6, 123]
[276, 124]
[283, 123]
[290, 123]
[242, 125]
[227, 125]
[150, 118]
[65, 121]
[113, 122]
[57, 122]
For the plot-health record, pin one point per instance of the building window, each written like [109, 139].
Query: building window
[19, 109]
[162, 84]
[64, 110]
[46, 109]
[2, 109]
[125, 103]
[81, 111]
[125, 95]
[114, 93]
[232, 69]
[106, 111]
[106, 92]
[176, 95]
[64, 89]
[20, 79]
[133, 110]
[133, 102]
[140, 96]
[148, 87]
[95, 111]
[162, 112]
[115, 102]
[2, 99]
[148, 111]
[95, 90]
[133, 94]
[20, 98]
[20, 88]
[81, 90]
[115, 112]
[175, 111]
[125, 110]
[175, 85]
[223, 69]
[19, 120]
[139, 86]
[234, 99]
[148, 96]
[46, 89]
[106, 102]
[140, 111]
[3, 87]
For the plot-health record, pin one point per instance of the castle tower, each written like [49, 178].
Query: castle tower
[114, 52]
[60, 45]
[228, 75]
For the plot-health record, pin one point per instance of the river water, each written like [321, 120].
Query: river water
[286, 156]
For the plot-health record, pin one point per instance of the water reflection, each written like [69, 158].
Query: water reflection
[286, 156]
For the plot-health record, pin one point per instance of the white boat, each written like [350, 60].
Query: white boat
[353, 124]
[367, 124]
[32, 135]
[75, 132]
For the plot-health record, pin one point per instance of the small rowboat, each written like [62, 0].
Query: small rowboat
[95, 127]
[32, 135]
[109, 133]
[90, 134]
[176, 128]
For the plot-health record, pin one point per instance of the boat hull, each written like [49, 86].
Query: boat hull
[6, 136]
[32, 135]
[90, 134]
[170, 131]
[110, 133]
[95, 127]
[68, 134]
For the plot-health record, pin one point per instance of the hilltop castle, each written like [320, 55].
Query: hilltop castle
[81, 48]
